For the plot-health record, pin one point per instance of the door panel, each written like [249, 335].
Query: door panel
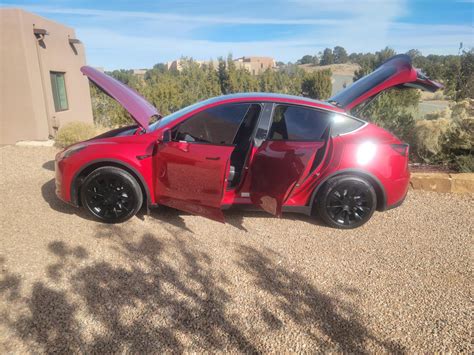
[191, 177]
[276, 168]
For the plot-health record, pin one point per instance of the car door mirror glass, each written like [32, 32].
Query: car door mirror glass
[166, 137]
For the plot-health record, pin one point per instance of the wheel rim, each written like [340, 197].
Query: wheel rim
[109, 197]
[349, 204]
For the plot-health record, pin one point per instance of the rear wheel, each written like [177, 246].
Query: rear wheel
[111, 195]
[346, 202]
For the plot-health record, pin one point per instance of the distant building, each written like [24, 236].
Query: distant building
[41, 85]
[255, 65]
[178, 64]
[139, 72]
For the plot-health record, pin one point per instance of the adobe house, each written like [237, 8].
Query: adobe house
[41, 86]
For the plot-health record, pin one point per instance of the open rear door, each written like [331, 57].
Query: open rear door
[276, 168]
[396, 71]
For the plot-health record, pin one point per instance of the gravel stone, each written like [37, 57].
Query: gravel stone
[174, 282]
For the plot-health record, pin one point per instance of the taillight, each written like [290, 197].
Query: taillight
[402, 148]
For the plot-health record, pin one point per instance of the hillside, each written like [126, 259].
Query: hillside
[345, 69]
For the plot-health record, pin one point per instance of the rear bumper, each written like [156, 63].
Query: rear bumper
[397, 204]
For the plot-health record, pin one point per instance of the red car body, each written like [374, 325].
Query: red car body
[275, 175]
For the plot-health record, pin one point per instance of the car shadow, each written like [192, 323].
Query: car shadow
[49, 165]
[234, 217]
[48, 191]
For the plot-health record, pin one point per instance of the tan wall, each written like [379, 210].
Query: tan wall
[26, 99]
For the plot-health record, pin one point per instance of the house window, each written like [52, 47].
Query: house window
[58, 84]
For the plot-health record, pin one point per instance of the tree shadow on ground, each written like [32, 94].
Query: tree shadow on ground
[304, 304]
[164, 294]
[141, 304]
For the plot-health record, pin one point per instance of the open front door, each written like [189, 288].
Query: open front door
[191, 177]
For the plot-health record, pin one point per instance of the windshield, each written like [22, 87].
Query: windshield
[175, 115]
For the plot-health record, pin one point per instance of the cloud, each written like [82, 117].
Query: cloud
[178, 18]
[360, 26]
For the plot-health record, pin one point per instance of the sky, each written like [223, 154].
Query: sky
[138, 34]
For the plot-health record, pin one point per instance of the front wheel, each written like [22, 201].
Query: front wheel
[346, 202]
[111, 195]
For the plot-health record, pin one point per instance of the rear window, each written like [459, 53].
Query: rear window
[295, 123]
[343, 124]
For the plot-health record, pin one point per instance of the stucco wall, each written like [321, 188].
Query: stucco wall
[26, 99]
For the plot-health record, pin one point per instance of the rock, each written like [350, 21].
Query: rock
[462, 183]
[438, 182]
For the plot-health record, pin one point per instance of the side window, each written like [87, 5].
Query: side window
[343, 124]
[216, 125]
[295, 123]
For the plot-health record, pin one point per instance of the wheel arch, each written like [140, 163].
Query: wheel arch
[378, 187]
[95, 164]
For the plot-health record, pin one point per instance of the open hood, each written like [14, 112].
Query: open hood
[139, 108]
[396, 71]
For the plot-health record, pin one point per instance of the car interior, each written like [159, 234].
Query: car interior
[242, 142]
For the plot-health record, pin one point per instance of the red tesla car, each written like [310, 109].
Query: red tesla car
[268, 151]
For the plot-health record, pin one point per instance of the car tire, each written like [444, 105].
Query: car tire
[111, 195]
[346, 201]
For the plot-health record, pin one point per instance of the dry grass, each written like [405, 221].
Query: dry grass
[337, 69]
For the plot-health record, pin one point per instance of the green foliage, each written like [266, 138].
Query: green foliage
[171, 90]
[464, 163]
[106, 111]
[317, 84]
[369, 61]
[307, 59]
[465, 84]
[393, 110]
[327, 57]
[74, 132]
[340, 55]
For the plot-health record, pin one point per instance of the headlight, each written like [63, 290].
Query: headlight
[73, 150]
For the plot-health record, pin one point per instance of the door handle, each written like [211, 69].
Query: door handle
[212, 158]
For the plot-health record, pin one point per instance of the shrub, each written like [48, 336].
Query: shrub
[464, 163]
[74, 132]
[448, 140]
[317, 84]
[429, 138]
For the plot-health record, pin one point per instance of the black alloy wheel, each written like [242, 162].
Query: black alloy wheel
[346, 202]
[111, 195]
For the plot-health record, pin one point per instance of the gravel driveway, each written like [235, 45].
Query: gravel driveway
[176, 282]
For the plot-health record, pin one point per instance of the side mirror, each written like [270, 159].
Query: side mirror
[166, 136]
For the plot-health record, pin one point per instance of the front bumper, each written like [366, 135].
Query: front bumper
[61, 187]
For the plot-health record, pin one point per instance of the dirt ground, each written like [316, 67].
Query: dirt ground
[175, 282]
